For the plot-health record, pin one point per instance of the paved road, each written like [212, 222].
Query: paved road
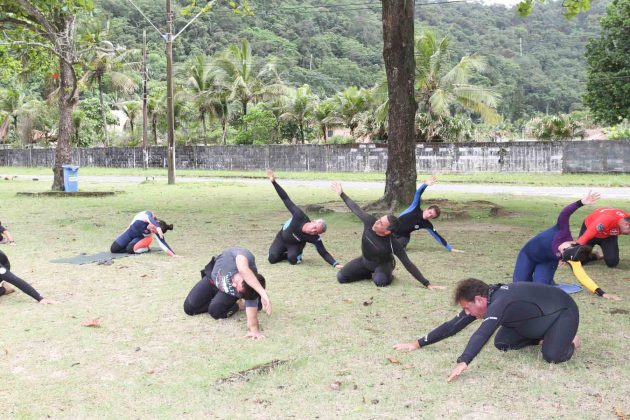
[621, 193]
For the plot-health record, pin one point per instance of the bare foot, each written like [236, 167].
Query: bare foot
[577, 342]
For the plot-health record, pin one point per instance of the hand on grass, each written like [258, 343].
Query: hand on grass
[611, 297]
[458, 251]
[254, 335]
[46, 301]
[435, 287]
[408, 346]
[339, 266]
[459, 369]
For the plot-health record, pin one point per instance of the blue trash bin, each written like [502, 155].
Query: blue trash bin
[70, 178]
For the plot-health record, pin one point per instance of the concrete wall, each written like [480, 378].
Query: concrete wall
[535, 156]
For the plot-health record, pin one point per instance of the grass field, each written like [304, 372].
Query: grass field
[329, 345]
[532, 178]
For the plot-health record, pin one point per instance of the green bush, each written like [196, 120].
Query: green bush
[619, 131]
[340, 140]
[257, 127]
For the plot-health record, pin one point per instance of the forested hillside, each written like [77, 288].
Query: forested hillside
[536, 63]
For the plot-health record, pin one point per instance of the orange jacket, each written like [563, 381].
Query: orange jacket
[602, 223]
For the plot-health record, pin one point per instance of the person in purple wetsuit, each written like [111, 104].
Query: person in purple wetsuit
[136, 239]
[538, 260]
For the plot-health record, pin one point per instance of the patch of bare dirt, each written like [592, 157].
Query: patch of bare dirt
[244, 375]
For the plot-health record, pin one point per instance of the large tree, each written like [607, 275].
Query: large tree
[398, 33]
[608, 58]
[51, 25]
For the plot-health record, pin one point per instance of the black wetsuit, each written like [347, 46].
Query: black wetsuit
[290, 240]
[9, 277]
[411, 219]
[526, 313]
[377, 260]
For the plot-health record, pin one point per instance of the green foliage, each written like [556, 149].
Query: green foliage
[256, 127]
[620, 131]
[555, 127]
[88, 123]
[340, 140]
[608, 58]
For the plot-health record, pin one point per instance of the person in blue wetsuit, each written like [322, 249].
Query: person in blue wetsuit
[525, 314]
[144, 227]
[299, 230]
[414, 218]
[7, 278]
[538, 260]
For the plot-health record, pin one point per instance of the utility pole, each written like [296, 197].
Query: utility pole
[170, 117]
[145, 117]
[520, 45]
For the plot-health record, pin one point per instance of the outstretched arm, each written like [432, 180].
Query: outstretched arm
[417, 197]
[445, 330]
[290, 205]
[323, 252]
[242, 264]
[9, 237]
[400, 252]
[354, 207]
[9, 277]
[163, 245]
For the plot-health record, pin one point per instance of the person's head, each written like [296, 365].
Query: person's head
[385, 225]
[624, 226]
[472, 295]
[431, 212]
[246, 291]
[576, 252]
[315, 227]
[165, 226]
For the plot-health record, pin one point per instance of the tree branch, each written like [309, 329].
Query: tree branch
[26, 24]
[38, 16]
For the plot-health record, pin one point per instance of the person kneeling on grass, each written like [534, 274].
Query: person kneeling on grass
[226, 279]
[378, 247]
[527, 313]
[137, 238]
[290, 241]
[7, 278]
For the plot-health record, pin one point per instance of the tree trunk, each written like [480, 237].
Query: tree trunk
[205, 134]
[398, 54]
[68, 100]
[325, 132]
[154, 127]
[224, 125]
[99, 78]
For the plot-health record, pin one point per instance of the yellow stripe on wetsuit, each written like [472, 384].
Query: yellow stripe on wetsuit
[583, 278]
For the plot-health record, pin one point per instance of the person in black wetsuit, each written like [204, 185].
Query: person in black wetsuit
[414, 218]
[7, 277]
[525, 312]
[296, 232]
[378, 248]
[226, 279]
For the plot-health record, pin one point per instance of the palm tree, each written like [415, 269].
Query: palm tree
[132, 110]
[105, 59]
[349, 104]
[322, 114]
[200, 77]
[440, 87]
[298, 109]
[247, 84]
[12, 101]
